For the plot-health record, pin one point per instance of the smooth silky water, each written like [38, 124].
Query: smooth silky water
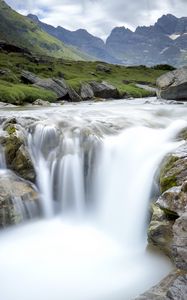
[95, 166]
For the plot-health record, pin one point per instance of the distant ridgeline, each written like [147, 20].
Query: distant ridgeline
[163, 43]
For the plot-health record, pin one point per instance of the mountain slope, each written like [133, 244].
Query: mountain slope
[163, 43]
[19, 30]
[80, 38]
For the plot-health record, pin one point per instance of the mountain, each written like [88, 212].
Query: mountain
[163, 43]
[80, 39]
[22, 32]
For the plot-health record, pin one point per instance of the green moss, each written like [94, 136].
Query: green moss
[167, 182]
[10, 129]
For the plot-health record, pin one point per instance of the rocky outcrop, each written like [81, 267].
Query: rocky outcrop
[168, 226]
[19, 200]
[104, 90]
[173, 287]
[16, 154]
[86, 92]
[173, 85]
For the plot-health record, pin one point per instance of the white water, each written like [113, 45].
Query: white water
[95, 191]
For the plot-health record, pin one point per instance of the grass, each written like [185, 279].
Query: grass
[19, 30]
[20, 93]
[74, 72]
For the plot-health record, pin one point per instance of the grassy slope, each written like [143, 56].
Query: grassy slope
[75, 73]
[18, 30]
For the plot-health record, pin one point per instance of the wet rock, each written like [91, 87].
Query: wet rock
[19, 200]
[179, 247]
[16, 154]
[178, 289]
[86, 92]
[173, 85]
[104, 90]
[172, 287]
[174, 169]
[23, 165]
[174, 200]
[41, 102]
[160, 231]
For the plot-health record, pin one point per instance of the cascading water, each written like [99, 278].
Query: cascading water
[95, 178]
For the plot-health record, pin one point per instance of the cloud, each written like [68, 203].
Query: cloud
[100, 16]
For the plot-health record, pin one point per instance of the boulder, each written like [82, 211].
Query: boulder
[59, 86]
[179, 245]
[104, 90]
[19, 199]
[173, 85]
[174, 169]
[40, 102]
[174, 200]
[172, 287]
[86, 92]
[73, 95]
[16, 154]
[103, 68]
[160, 231]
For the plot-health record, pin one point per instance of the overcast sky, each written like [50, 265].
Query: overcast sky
[100, 16]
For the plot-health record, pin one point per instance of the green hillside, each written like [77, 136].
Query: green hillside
[18, 30]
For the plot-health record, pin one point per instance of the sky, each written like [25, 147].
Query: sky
[99, 17]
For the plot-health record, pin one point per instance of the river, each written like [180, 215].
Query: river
[96, 166]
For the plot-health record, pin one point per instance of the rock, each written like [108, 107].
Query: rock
[174, 169]
[178, 289]
[59, 86]
[160, 231]
[23, 165]
[86, 92]
[103, 68]
[173, 85]
[16, 155]
[19, 200]
[179, 247]
[172, 287]
[73, 96]
[174, 200]
[104, 90]
[41, 102]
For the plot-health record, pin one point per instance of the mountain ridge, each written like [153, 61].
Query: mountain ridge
[123, 46]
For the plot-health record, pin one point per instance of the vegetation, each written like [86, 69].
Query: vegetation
[20, 31]
[20, 93]
[74, 73]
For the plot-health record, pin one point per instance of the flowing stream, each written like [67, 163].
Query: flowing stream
[96, 168]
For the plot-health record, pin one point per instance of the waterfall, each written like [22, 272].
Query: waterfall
[95, 185]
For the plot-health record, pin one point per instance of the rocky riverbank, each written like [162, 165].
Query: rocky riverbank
[168, 225]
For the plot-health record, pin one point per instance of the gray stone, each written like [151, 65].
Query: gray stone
[103, 68]
[19, 199]
[86, 92]
[174, 200]
[104, 90]
[41, 102]
[173, 85]
[178, 289]
[179, 246]
[172, 287]
[73, 95]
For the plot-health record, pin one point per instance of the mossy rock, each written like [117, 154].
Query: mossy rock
[173, 172]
